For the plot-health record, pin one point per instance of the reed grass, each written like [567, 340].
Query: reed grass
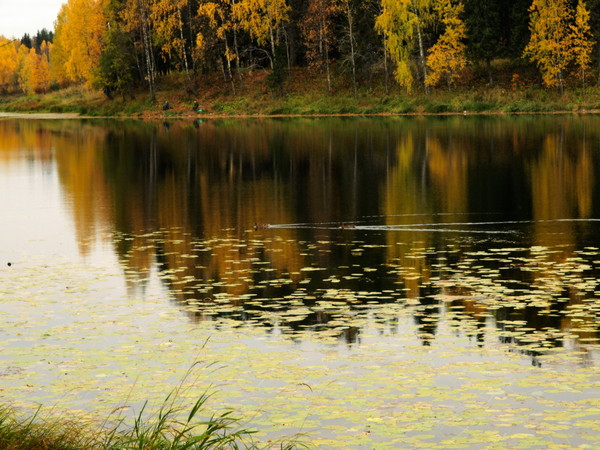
[163, 430]
[174, 426]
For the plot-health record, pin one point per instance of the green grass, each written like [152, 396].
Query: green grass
[306, 94]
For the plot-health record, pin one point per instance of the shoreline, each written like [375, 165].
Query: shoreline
[152, 116]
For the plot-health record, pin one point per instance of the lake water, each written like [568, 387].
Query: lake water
[366, 283]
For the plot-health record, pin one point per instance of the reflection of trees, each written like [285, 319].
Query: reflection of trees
[27, 139]
[185, 200]
[562, 180]
[81, 174]
[74, 148]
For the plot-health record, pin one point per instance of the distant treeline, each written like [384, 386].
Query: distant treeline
[118, 45]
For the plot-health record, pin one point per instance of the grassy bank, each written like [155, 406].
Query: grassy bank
[306, 94]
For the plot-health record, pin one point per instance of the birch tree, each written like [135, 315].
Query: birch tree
[402, 23]
[168, 25]
[222, 24]
[136, 21]
[548, 46]
[581, 41]
[263, 20]
[446, 59]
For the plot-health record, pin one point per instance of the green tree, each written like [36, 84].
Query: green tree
[116, 70]
[485, 26]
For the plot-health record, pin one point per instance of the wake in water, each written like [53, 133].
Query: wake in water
[447, 227]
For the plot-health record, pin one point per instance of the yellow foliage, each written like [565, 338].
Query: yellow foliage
[167, 20]
[9, 64]
[447, 58]
[317, 28]
[262, 18]
[581, 41]
[549, 46]
[78, 39]
[34, 76]
[220, 20]
[397, 23]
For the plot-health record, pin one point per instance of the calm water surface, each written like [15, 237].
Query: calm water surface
[384, 283]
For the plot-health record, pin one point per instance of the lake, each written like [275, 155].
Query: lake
[352, 282]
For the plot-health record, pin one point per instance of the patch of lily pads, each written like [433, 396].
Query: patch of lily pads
[423, 347]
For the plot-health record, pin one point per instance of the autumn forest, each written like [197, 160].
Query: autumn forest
[119, 46]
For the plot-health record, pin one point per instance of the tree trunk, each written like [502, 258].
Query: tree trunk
[560, 82]
[272, 38]
[230, 76]
[184, 53]
[324, 50]
[237, 54]
[287, 50]
[150, 67]
[352, 57]
[421, 48]
[385, 68]
[191, 36]
[327, 67]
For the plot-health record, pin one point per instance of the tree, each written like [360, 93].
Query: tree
[446, 58]
[348, 10]
[263, 20]
[548, 46]
[41, 36]
[26, 40]
[279, 74]
[34, 74]
[516, 20]
[484, 24]
[58, 55]
[318, 34]
[221, 22]
[397, 23]
[9, 63]
[581, 41]
[116, 68]
[80, 28]
[168, 27]
[136, 22]
[402, 23]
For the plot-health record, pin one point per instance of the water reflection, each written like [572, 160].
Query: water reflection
[486, 224]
